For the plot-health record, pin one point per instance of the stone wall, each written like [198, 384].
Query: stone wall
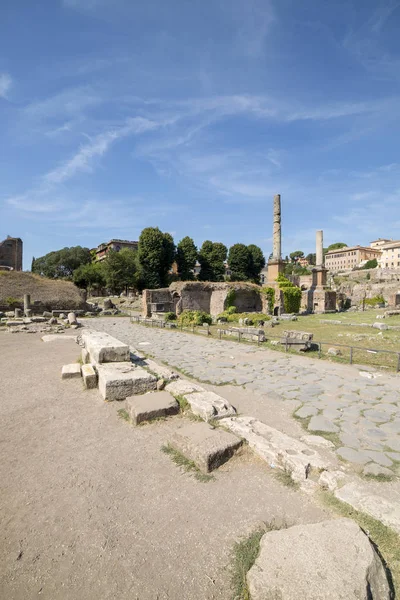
[208, 297]
[11, 253]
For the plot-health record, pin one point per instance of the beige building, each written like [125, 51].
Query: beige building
[115, 245]
[390, 255]
[347, 258]
[380, 242]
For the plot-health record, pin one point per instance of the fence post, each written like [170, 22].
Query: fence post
[220, 336]
[240, 335]
[286, 345]
[351, 355]
[258, 339]
[398, 363]
[319, 350]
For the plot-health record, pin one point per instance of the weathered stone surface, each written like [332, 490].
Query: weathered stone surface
[354, 456]
[332, 560]
[278, 449]
[381, 326]
[334, 352]
[117, 381]
[159, 370]
[89, 376]
[376, 470]
[182, 387]
[331, 480]
[71, 371]
[14, 323]
[306, 411]
[317, 440]
[151, 406]
[360, 496]
[72, 318]
[208, 448]
[320, 423]
[104, 348]
[85, 356]
[208, 405]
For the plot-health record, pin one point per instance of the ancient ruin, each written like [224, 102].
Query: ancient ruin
[11, 254]
[319, 298]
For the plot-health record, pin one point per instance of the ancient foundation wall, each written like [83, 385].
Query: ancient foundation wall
[248, 300]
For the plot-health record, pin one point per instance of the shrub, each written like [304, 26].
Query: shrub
[231, 310]
[291, 294]
[194, 317]
[253, 318]
[230, 299]
[270, 293]
[375, 300]
[170, 316]
[12, 302]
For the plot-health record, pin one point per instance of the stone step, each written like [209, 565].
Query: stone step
[104, 348]
[209, 405]
[117, 381]
[89, 377]
[151, 406]
[278, 449]
[208, 448]
[71, 371]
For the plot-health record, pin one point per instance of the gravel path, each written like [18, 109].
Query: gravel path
[363, 414]
[92, 509]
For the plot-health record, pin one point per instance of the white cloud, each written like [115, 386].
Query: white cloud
[5, 84]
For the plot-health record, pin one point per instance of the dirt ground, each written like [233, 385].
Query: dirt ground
[92, 509]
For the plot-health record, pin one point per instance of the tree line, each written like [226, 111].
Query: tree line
[150, 266]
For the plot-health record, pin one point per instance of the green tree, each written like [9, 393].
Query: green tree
[89, 276]
[32, 263]
[257, 262]
[60, 264]
[156, 254]
[240, 262]
[371, 264]
[311, 258]
[336, 246]
[121, 269]
[296, 255]
[211, 258]
[186, 257]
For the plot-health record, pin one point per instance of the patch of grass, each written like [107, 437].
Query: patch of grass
[79, 360]
[244, 555]
[385, 540]
[183, 403]
[286, 478]
[187, 465]
[381, 477]
[123, 414]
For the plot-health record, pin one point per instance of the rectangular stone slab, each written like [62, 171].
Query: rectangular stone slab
[208, 448]
[71, 371]
[117, 381]
[89, 377]
[104, 348]
[151, 406]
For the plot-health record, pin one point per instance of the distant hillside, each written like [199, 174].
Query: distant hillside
[51, 293]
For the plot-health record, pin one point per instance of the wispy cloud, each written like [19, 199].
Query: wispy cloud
[5, 84]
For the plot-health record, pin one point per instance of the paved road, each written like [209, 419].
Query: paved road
[363, 414]
[91, 509]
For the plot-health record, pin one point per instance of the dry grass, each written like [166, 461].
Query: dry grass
[50, 292]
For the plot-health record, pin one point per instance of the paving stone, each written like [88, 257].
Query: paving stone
[394, 456]
[117, 381]
[208, 448]
[374, 469]
[331, 480]
[71, 371]
[393, 443]
[151, 406]
[306, 411]
[209, 405]
[359, 495]
[391, 428]
[317, 440]
[104, 348]
[376, 434]
[379, 457]
[377, 416]
[354, 456]
[320, 423]
[332, 414]
[89, 377]
[182, 387]
[349, 439]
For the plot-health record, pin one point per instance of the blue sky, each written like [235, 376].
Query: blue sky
[116, 115]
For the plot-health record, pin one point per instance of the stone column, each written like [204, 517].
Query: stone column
[320, 249]
[27, 302]
[276, 250]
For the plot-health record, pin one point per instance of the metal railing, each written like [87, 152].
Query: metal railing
[284, 341]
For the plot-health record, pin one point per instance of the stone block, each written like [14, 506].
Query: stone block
[208, 448]
[331, 560]
[71, 318]
[151, 406]
[208, 405]
[104, 348]
[182, 387]
[14, 323]
[381, 326]
[320, 423]
[85, 356]
[57, 336]
[117, 381]
[89, 377]
[71, 371]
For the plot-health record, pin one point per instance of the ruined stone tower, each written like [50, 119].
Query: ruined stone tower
[11, 253]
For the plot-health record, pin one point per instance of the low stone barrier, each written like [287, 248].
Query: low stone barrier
[300, 339]
[247, 333]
